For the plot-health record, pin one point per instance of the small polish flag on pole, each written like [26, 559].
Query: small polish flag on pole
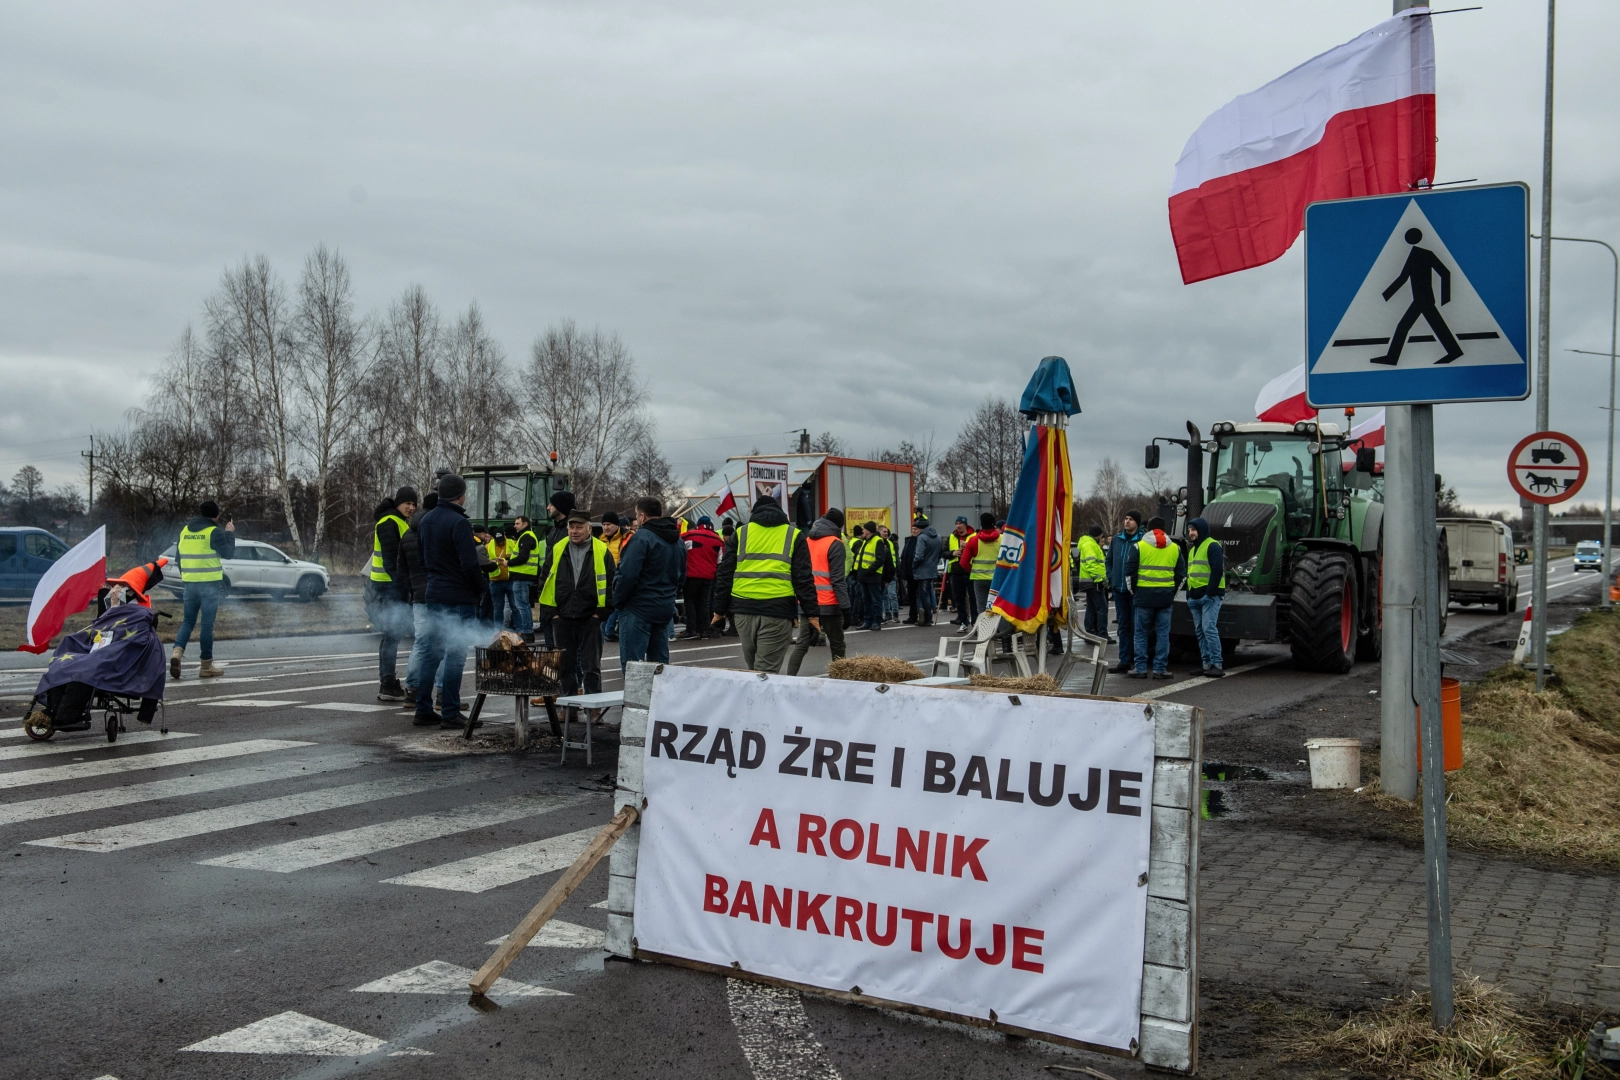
[1369, 432]
[67, 588]
[728, 501]
[1357, 120]
[1282, 400]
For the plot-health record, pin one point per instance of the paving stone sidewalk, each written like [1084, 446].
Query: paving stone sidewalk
[1289, 909]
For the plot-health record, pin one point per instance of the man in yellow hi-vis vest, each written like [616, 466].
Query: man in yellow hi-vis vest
[387, 593]
[763, 580]
[1157, 568]
[204, 544]
[579, 583]
[1091, 574]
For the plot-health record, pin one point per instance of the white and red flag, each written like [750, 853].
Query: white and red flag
[67, 587]
[728, 501]
[1282, 400]
[1357, 120]
[1369, 430]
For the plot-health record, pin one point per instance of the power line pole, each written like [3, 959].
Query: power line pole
[90, 457]
[1538, 594]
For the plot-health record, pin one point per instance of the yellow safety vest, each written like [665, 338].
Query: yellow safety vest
[764, 562]
[198, 559]
[377, 571]
[1093, 566]
[501, 574]
[984, 559]
[1156, 566]
[530, 569]
[1198, 566]
[599, 553]
[866, 553]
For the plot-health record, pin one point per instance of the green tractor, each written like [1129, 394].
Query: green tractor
[1303, 536]
[496, 494]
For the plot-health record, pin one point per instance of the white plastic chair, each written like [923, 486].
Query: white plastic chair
[979, 650]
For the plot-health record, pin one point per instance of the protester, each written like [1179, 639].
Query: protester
[902, 575]
[1120, 551]
[557, 509]
[728, 531]
[891, 577]
[613, 534]
[203, 544]
[486, 603]
[524, 568]
[826, 619]
[1206, 585]
[413, 579]
[387, 595]
[1156, 570]
[874, 562]
[651, 569]
[961, 591]
[764, 579]
[703, 548]
[925, 571]
[456, 579]
[576, 593]
[978, 558]
[1091, 573]
[503, 605]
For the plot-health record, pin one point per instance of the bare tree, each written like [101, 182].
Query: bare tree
[988, 453]
[920, 458]
[584, 401]
[1110, 492]
[248, 320]
[406, 384]
[828, 443]
[196, 402]
[331, 361]
[478, 410]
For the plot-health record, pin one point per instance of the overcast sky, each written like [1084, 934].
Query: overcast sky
[848, 216]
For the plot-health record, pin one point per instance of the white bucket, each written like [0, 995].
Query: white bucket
[1335, 763]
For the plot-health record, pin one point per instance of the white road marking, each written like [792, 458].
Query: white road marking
[561, 934]
[480, 873]
[291, 1033]
[600, 904]
[253, 703]
[438, 977]
[219, 819]
[333, 847]
[18, 734]
[81, 769]
[352, 706]
[281, 690]
[1188, 684]
[106, 798]
[94, 740]
[775, 1033]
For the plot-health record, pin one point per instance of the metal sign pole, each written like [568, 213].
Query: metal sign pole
[1538, 620]
[1397, 755]
[1426, 687]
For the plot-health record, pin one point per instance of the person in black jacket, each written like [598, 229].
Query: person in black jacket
[873, 563]
[386, 604]
[652, 569]
[456, 578]
[766, 625]
[902, 573]
[201, 600]
[412, 581]
[558, 509]
[577, 602]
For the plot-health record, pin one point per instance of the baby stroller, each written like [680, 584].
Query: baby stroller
[114, 666]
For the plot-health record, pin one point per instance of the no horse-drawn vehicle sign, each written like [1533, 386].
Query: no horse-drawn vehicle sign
[1547, 467]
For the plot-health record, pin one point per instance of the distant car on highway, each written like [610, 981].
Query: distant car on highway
[259, 568]
[1589, 555]
[25, 554]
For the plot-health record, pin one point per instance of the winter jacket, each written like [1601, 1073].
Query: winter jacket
[767, 514]
[703, 548]
[970, 546]
[835, 567]
[576, 597]
[908, 555]
[549, 535]
[1156, 597]
[882, 559]
[1217, 562]
[1118, 559]
[528, 552]
[652, 569]
[388, 538]
[412, 577]
[925, 557]
[455, 575]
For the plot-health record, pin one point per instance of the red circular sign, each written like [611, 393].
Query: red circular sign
[1547, 467]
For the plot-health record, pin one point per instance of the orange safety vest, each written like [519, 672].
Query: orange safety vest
[821, 570]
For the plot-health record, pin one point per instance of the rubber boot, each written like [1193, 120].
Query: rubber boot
[209, 670]
[174, 662]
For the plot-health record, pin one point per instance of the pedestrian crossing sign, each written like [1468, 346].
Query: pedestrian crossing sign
[1418, 298]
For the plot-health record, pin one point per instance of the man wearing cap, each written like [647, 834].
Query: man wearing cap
[826, 619]
[651, 569]
[925, 571]
[763, 580]
[455, 581]
[703, 548]
[961, 591]
[203, 545]
[558, 509]
[576, 594]
[387, 595]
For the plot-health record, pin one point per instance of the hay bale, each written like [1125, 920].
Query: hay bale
[875, 669]
[1033, 684]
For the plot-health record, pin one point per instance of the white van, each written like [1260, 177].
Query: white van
[1482, 568]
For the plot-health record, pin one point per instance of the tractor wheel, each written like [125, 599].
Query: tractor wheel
[1370, 647]
[1323, 621]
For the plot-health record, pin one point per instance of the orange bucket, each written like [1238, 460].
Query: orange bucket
[1450, 724]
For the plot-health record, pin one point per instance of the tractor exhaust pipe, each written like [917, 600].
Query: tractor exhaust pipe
[1195, 472]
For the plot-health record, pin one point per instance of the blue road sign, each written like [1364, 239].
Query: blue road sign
[1418, 298]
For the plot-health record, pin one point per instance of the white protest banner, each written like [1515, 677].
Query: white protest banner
[950, 850]
[768, 478]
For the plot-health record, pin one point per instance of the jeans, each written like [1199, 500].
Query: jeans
[502, 600]
[891, 600]
[832, 632]
[1157, 622]
[390, 617]
[450, 629]
[871, 603]
[925, 598]
[981, 596]
[581, 643]
[1127, 628]
[1097, 611]
[699, 605]
[1206, 617]
[522, 597]
[764, 641]
[643, 640]
[414, 678]
[202, 599]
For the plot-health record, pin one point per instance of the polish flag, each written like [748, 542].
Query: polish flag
[1357, 120]
[727, 500]
[67, 588]
[1370, 431]
[1282, 400]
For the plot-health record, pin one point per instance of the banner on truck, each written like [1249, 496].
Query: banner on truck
[856, 516]
[768, 478]
[952, 850]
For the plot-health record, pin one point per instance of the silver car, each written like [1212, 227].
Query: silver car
[259, 568]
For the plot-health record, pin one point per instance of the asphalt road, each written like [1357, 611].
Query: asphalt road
[294, 882]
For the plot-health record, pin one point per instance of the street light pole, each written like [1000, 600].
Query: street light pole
[1538, 594]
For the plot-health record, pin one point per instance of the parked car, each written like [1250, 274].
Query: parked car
[25, 554]
[260, 568]
[1589, 555]
[1482, 563]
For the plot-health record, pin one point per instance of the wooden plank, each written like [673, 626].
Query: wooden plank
[1166, 992]
[631, 761]
[621, 939]
[1168, 1044]
[1171, 835]
[625, 853]
[633, 724]
[1167, 880]
[542, 912]
[1172, 783]
[638, 684]
[1169, 931]
[1173, 726]
[621, 898]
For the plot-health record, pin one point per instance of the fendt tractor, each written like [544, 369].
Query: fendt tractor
[1303, 534]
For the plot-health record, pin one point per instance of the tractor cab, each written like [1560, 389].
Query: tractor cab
[496, 494]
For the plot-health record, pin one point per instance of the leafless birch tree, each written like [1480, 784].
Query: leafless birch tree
[407, 383]
[584, 401]
[479, 412]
